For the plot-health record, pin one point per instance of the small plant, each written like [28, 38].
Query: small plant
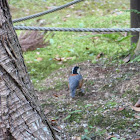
[86, 135]
[73, 116]
[114, 138]
[137, 59]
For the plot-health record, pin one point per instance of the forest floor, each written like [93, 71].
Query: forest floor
[104, 112]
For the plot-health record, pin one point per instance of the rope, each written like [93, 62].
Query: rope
[46, 12]
[78, 29]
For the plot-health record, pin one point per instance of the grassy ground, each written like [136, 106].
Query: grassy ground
[75, 47]
[110, 86]
[104, 112]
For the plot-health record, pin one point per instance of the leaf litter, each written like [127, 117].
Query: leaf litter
[106, 110]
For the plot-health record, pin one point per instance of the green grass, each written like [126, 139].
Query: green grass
[79, 46]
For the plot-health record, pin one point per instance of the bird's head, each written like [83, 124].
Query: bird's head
[76, 70]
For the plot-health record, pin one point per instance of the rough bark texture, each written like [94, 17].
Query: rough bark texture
[135, 19]
[20, 116]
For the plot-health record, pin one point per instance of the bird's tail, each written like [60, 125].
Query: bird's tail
[73, 93]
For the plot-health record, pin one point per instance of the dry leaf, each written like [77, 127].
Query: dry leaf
[71, 6]
[64, 19]
[55, 95]
[138, 103]
[95, 38]
[48, 7]
[59, 127]
[114, 109]
[57, 59]
[53, 122]
[69, 58]
[80, 15]
[137, 139]
[39, 59]
[110, 136]
[62, 58]
[100, 55]
[127, 59]
[46, 111]
[137, 117]
[120, 109]
[76, 138]
[136, 108]
[68, 15]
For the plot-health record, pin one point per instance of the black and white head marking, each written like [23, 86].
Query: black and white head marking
[76, 70]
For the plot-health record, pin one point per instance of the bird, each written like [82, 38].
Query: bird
[75, 81]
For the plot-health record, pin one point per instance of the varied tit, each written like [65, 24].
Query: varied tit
[75, 81]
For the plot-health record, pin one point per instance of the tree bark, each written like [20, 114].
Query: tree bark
[135, 19]
[137, 50]
[20, 115]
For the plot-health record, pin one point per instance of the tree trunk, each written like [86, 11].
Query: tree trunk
[137, 50]
[20, 115]
[135, 19]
